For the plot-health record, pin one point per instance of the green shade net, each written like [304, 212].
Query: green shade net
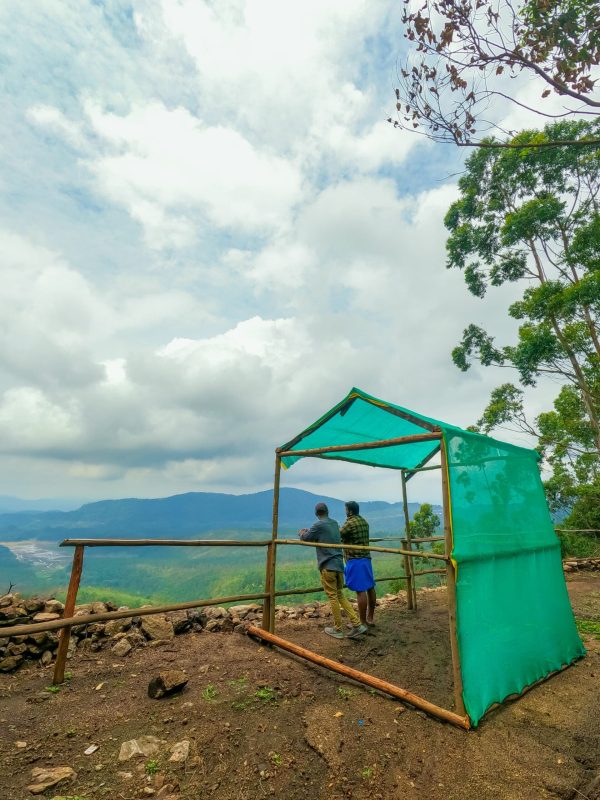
[514, 619]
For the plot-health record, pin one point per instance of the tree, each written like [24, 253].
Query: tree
[466, 52]
[424, 523]
[532, 216]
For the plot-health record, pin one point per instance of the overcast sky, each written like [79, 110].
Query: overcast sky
[208, 235]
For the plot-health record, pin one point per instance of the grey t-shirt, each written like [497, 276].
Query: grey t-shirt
[327, 531]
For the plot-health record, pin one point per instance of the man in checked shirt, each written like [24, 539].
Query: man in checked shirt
[358, 572]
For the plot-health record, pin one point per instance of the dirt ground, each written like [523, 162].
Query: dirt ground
[264, 724]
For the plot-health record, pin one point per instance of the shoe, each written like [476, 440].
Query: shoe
[334, 632]
[357, 631]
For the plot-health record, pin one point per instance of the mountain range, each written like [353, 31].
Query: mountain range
[186, 515]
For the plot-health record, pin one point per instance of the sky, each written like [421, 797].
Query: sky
[208, 234]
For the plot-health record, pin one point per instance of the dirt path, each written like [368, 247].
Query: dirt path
[263, 724]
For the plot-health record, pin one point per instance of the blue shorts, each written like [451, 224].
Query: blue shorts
[358, 574]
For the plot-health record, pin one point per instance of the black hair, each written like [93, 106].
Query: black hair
[352, 506]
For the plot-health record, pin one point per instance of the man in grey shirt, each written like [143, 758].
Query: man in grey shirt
[331, 567]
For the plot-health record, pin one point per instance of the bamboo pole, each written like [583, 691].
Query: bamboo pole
[89, 619]
[421, 465]
[165, 543]
[268, 621]
[65, 634]
[427, 539]
[451, 587]
[411, 594]
[342, 448]
[375, 548]
[363, 677]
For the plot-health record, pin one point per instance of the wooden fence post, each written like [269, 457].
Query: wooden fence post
[65, 634]
[451, 588]
[411, 589]
[268, 621]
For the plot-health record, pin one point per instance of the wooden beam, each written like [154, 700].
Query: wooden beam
[89, 619]
[428, 539]
[411, 594]
[410, 473]
[362, 677]
[375, 548]
[451, 588]
[269, 604]
[343, 448]
[65, 634]
[164, 543]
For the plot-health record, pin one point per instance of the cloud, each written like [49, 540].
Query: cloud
[203, 254]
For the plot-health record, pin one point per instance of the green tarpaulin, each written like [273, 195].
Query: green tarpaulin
[514, 619]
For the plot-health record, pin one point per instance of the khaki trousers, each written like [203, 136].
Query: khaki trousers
[333, 584]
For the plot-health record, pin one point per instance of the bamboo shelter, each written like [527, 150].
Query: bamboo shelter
[510, 620]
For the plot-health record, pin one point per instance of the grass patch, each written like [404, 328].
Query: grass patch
[588, 626]
[345, 694]
[53, 689]
[209, 692]
[152, 767]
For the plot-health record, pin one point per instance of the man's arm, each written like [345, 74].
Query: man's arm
[346, 532]
[311, 534]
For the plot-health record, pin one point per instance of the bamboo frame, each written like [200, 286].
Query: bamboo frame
[374, 548]
[269, 604]
[65, 634]
[364, 678]
[343, 448]
[411, 589]
[451, 587]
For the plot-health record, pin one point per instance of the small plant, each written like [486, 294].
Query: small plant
[152, 767]
[70, 732]
[209, 692]
[366, 773]
[266, 695]
[68, 676]
[345, 694]
[588, 626]
[53, 689]
[276, 759]
[240, 705]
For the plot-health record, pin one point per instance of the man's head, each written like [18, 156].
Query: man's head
[352, 508]
[321, 510]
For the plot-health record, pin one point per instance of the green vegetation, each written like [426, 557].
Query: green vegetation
[266, 695]
[152, 766]
[276, 759]
[53, 689]
[344, 693]
[209, 692]
[530, 216]
[588, 626]
[366, 773]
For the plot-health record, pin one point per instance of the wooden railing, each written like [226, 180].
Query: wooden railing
[68, 620]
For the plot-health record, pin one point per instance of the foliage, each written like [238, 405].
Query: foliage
[532, 217]
[209, 692]
[463, 55]
[588, 626]
[152, 766]
[424, 523]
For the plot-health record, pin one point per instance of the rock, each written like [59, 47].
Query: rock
[241, 611]
[215, 612]
[20, 745]
[33, 604]
[115, 626]
[213, 625]
[54, 606]
[6, 600]
[180, 621]
[46, 657]
[16, 649]
[10, 663]
[180, 752]
[143, 746]
[46, 777]
[98, 608]
[122, 648]
[166, 683]
[46, 616]
[39, 638]
[157, 627]
[135, 639]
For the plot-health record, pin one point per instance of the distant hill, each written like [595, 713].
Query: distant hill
[10, 505]
[184, 515]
